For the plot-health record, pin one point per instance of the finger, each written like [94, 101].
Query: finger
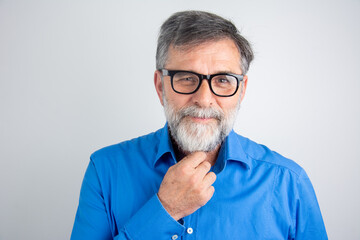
[210, 193]
[194, 159]
[209, 179]
[203, 168]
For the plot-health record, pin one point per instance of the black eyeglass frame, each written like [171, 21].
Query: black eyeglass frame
[171, 73]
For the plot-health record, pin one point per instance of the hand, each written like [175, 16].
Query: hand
[187, 185]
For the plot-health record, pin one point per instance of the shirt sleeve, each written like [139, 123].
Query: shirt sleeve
[92, 221]
[309, 223]
[152, 221]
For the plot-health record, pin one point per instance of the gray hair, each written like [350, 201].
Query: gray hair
[192, 28]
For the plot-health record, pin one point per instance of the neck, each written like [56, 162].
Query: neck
[212, 155]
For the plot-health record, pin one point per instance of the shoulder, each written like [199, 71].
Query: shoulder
[260, 154]
[142, 146]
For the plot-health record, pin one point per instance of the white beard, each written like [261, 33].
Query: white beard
[192, 136]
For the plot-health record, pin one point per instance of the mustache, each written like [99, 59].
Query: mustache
[195, 111]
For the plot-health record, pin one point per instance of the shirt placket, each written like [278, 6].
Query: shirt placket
[190, 224]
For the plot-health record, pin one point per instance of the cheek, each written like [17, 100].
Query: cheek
[227, 104]
[177, 100]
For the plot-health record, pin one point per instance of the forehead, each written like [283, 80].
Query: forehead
[206, 58]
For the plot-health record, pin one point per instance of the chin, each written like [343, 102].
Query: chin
[194, 137]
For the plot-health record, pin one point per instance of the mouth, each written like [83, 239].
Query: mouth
[202, 119]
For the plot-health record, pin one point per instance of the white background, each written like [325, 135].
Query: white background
[76, 76]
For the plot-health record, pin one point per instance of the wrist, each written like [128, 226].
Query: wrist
[169, 209]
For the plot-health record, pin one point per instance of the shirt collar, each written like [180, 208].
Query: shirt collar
[231, 149]
[165, 145]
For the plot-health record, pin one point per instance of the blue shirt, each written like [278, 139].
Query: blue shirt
[259, 194]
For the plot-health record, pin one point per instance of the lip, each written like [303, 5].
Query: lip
[201, 120]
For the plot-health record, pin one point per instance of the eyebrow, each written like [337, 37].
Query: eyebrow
[218, 72]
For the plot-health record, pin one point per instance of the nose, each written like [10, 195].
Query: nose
[203, 97]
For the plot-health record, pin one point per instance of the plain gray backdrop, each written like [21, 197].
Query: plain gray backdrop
[76, 76]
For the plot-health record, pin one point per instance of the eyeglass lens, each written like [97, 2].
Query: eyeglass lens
[185, 82]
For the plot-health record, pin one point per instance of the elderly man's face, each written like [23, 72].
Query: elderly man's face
[195, 118]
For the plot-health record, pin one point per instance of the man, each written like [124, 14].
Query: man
[196, 178]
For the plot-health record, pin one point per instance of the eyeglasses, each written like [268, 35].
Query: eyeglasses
[221, 84]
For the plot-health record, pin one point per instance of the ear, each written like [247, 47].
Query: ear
[243, 90]
[158, 86]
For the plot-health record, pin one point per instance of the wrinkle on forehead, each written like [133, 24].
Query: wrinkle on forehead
[208, 56]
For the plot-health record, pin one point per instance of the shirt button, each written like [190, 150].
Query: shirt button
[174, 237]
[189, 230]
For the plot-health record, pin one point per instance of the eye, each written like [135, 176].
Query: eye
[222, 80]
[185, 78]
